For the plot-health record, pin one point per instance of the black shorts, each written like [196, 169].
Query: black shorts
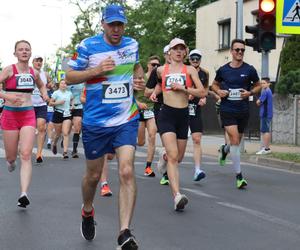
[58, 117]
[239, 119]
[76, 112]
[174, 120]
[196, 124]
[41, 112]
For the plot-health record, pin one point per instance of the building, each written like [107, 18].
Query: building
[216, 26]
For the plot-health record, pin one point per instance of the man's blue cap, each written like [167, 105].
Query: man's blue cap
[114, 13]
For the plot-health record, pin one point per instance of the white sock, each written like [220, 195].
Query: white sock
[49, 141]
[236, 158]
[103, 183]
[23, 194]
[197, 169]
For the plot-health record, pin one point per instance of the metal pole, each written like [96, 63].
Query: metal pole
[240, 19]
[265, 64]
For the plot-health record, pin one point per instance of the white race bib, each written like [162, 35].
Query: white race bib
[148, 114]
[192, 109]
[115, 92]
[24, 81]
[175, 78]
[234, 95]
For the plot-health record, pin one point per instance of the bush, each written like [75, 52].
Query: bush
[289, 83]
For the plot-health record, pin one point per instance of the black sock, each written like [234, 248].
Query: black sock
[148, 164]
[75, 141]
[239, 176]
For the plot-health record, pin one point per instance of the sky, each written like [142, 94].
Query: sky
[45, 24]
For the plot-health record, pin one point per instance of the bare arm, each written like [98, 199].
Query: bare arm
[138, 77]
[41, 86]
[76, 77]
[217, 89]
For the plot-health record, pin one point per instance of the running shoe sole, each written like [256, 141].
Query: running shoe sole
[23, 202]
[181, 204]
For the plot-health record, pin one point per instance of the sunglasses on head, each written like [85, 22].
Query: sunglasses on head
[195, 58]
[239, 49]
[155, 64]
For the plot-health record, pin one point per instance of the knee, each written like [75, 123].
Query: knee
[173, 158]
[152, 137]
[93, 177]
[25, 155]
[126, 172]
[197, 141]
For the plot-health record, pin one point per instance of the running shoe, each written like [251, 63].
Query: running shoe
[65, 155]
[39, 160]
[11, 166]
[23, 201]
[126, 241]
[49, 145]
[149, 172]
[75, 155]
[54, 149]
[264, 151]
[88, 229]
[199, 175]
[241, 183]
[105, 190]
[162, 163]
[180, 202]
[222, 156]
[164, 180]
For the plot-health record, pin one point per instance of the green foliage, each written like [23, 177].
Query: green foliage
[289, 83]
[290, 55]
[153, 23]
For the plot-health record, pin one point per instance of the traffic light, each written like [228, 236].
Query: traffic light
[267, 24]
[253, 42]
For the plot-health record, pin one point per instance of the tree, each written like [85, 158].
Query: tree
[289, 81]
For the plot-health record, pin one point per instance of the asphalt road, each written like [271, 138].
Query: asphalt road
[218, 216]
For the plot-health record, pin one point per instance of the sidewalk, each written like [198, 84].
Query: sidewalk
[211, 144]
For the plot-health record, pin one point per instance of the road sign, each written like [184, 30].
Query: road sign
[288, 17]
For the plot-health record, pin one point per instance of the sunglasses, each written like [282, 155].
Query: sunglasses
[195, 58]
[155, 64]
[237, 50]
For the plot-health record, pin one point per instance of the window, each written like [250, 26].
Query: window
[224, 34]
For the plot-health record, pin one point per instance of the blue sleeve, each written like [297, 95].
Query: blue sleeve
[263, 96]
[80, 59]
[218, 77]
[253, 75]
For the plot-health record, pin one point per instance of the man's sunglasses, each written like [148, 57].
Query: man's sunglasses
[155, 64]
[237, 50]
[195, 58]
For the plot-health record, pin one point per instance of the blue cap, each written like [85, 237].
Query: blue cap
[114, 13]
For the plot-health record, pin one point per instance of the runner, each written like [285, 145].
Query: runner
[232, 83]
[51, 87]
[18, 119]
[76, 116]
[147, 120]
[40, 107]
[150, 85]
[173, 120]
[195, 104]
[62, 100]
[109, 64]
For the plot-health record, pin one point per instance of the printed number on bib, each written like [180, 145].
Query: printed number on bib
[234, 95]
[115, 92]
[24, 81]
[175, 78]
[192, 109]
[148, 114]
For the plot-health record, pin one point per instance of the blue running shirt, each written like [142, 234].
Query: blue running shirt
[234, 79]
[109, 98]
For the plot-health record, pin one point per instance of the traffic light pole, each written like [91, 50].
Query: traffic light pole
[265, 63]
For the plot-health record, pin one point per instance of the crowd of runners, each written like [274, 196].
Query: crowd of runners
[109, 101]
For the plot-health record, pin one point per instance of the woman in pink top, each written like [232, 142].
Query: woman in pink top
[18, 117]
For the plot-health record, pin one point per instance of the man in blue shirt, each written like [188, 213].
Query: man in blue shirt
[109, 65]
[234, 83]
[265, 102]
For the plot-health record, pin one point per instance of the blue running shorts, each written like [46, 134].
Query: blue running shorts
[98, 141]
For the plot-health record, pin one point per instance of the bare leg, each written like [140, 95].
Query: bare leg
[41, 127]
[127, 194]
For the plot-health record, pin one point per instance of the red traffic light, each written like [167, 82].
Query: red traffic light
[267, 5]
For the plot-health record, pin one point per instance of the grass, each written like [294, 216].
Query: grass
[287, 156]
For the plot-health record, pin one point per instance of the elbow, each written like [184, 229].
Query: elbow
[203, 93]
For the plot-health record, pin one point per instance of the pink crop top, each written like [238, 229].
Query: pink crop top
[24, 82]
